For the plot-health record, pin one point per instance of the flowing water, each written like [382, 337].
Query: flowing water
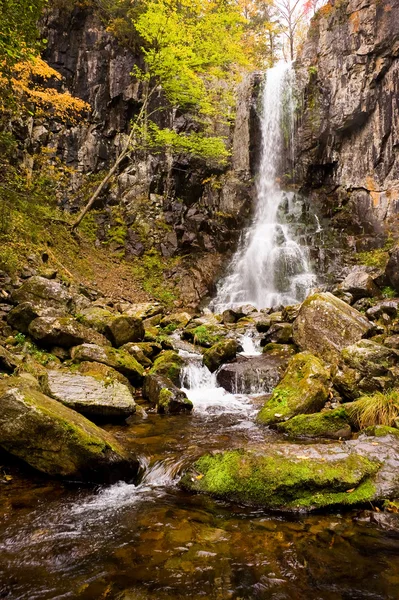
[154, 541]
[270, 267]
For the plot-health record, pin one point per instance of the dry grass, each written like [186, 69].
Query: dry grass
[376, 409]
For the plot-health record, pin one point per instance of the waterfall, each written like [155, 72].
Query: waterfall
[269, 268]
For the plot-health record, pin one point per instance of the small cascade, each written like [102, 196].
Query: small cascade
[250, 343]
[270, 267]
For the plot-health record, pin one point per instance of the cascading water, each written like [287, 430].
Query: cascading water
[270, 268]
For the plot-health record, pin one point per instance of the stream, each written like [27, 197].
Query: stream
[153, 540]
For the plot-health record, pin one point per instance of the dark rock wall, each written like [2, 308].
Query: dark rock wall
[348, 124]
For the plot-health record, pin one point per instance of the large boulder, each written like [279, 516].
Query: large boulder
[360, 284]
[165, 395]
[117, 359]
[392, 268]
[124, 329]
[298, 477]
[369, 358]
[8, 361]
[57, 440]
[332, 424]
[304, 389]
[325, 325]
[92, 393]
[43, 292]
[96, 317]
[220, 353]
[176, 320]
[253, 375]
[63, 331]
[168, 364]
[22, 315]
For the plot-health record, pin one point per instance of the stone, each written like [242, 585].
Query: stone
[8, 361]
[57, 440]
[39, 290]
[165, 395]
[392, 342]
[168, 364]
[253, 375]
[387, 307]
[219, 353]
[117, 359]
[96, 317]
[263, 323]
[63, 331]
[331, 424]
[229, 316]
[279, 333]
[294, 478]
[325, 325]
[369, 358]
[143, 310]
[304, 389]
[290, 313]
[22, 315]
[283, 350]
[93, 394]
[177, 320]
[124, 329]
[392, 268]
[149, 349]
[360, 284]
[137, 353]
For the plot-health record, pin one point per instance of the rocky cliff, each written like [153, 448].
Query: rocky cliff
[176, 206]
[348, 136]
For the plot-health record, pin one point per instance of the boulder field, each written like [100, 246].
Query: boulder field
[328, 373]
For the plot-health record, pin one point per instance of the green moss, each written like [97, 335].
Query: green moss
[389, 292]
[203, 336]
[381, 431]
[165, 397]
[325, 424]
[275, 481]
[169, 364]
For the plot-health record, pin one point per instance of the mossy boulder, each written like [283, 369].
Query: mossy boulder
[360, 284]
[332, 424]
[168, 364]
[134, 350]
[253, 374]
[165, 395]
[57, 440]
[92, 393]
[149, 349]
[279, 333]
[204, 332]
[176, 320]
[304, 389]
[63, 331]
[219, 354]
[369, 358]
[124, 329]
[42, 290]
[21, 316]
[96, 317]
[287, 480]
[326, 325]
[117, 359]
[282, 350]
[8, 361]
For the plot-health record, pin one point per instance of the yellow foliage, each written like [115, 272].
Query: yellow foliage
[28, 87]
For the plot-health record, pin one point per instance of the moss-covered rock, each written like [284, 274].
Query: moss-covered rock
[124, 329]
[279, 333]
[57, 440]
[369, 358]
[149, 349]
[332, 424]
[360, 284]
[165, 395]
[21, 316]
[96, 317]
[63, 331]
[276, 481]
[176, 320]
[282, 350]
[304, 389]
[220, 353]
[92, 392]
[253, 375]
[8, 361]
[135, 351]
[117, 359]
[169, 364]
[42, 290]
[325, 325]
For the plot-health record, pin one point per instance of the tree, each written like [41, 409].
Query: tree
[192, 51]
[262, 30]
[291, 14]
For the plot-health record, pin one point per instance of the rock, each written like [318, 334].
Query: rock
[290, 313]
[149, 349]
[96, 317]
[56, 440]
[283, 350]
[253, 375]
[279, 333]
[263, 323]
[304, 389]
[166, 396]
[387, 307]
[360, 285]
[144, 310]
[346, 382]
[137, 353]
[39, 290]
[117, 359]
[392, 268]
[8, 361]
[325, 325]
[63, 331]
[333, 424]
[392, 342]
[124, 329]
[178, 320]
[369, 358]
[229, 316]
[91, 394]
[22, 315]
[220, 353]
[290, 478]
[168, 364]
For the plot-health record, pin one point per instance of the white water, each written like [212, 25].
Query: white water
[270, 268]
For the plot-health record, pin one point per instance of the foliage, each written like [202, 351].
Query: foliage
[28, 347]
[375, 409]
[149, 270]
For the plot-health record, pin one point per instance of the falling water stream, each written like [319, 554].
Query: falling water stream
[151, 540]
[270, 267]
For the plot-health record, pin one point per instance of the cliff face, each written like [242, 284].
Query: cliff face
[178, 206]
[348, 130]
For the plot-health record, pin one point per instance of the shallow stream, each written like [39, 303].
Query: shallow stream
[154, 541]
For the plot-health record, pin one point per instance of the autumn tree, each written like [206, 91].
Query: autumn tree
[291, 14]
[192, 51]
[261, 30]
